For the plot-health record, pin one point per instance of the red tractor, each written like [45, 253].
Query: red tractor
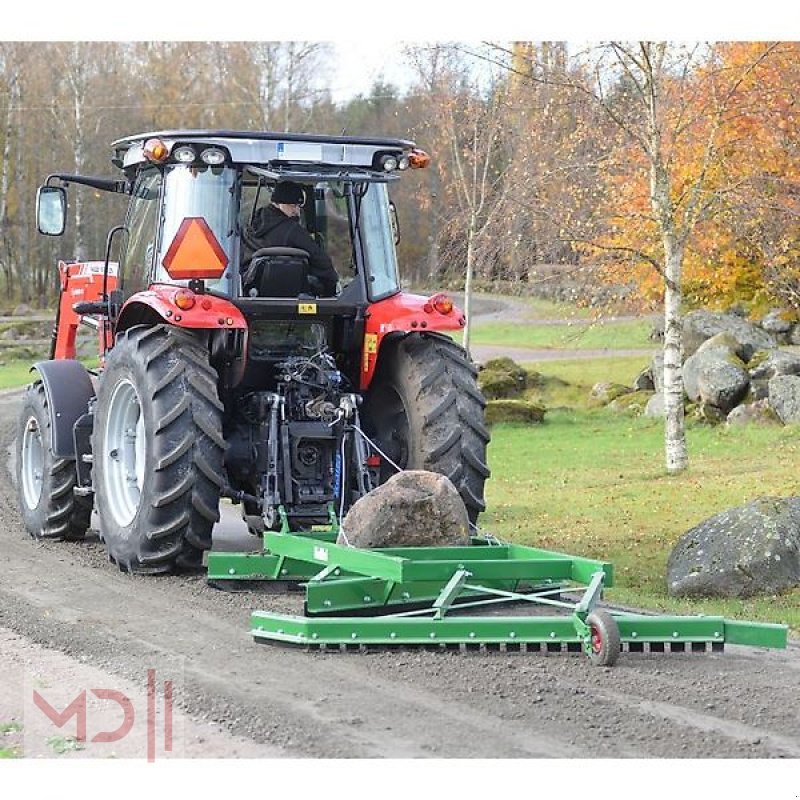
[257, 389]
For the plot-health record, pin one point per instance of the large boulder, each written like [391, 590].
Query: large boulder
[715, 375]
[745, 551]
[784, 397]
[502, 378]
[414, 508]
[698, 326]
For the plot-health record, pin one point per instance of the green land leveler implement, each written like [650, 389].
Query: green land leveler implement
[457, 598]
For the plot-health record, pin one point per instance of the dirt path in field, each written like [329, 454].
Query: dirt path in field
[64, 608]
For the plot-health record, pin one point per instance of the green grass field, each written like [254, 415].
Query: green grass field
[593, 483]
[623, 335]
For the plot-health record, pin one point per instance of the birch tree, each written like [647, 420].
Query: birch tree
[670, 107]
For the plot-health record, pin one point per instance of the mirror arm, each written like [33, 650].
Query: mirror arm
[104, 184]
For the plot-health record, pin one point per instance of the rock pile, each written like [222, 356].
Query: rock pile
[505, 385]
[734, 371]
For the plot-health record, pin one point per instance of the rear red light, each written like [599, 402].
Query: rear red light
[184, 299]
[374, 461]
[441, 303]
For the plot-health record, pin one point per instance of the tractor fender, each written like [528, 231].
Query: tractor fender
[396, 317]
[68, 389]
[157, 305]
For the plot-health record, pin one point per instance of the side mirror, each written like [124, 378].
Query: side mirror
[51, 210]
[393, 221]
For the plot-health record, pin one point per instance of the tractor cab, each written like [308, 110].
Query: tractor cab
[208, 187]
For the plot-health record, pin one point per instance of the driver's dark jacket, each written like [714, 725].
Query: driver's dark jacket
[272, 228]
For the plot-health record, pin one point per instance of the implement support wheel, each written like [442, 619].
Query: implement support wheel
[604, 642]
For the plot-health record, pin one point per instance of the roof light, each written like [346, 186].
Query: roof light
[389, 163]
[155, 150]
[184, 154]
[418, 159]
[184, 299]
[404, 162]
[213, 156]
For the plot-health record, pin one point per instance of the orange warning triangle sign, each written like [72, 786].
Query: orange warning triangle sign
[195, 252]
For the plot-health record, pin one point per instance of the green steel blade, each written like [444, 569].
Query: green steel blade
[454, 629]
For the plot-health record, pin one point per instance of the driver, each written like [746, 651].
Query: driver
[278, 225]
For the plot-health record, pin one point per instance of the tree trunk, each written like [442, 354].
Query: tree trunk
[468, 279]
[677, 457]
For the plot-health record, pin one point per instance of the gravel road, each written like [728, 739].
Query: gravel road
[67, 599]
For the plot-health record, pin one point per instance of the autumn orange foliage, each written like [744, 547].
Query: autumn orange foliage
[738, 106]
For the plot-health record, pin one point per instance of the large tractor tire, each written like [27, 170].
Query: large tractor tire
[425, 411]
[45, 483]
[157, 450]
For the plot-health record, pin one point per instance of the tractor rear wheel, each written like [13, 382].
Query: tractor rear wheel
[157, 450]
[46, 483]
[425, 411]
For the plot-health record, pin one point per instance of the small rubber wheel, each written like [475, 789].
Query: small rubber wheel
[604, 643]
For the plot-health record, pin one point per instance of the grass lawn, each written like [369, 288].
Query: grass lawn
[592, 483]
[15, 373]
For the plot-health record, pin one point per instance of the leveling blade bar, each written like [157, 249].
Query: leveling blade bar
[458, 630]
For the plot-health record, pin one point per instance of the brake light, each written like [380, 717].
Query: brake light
[184, 299]
[439, 302]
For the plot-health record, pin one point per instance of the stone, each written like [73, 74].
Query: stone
[759, 412]
[524, 411]
[716, 376]
[631, 403]
[777, 321]
[784, 397]
[22, 310]
[502, 378]
[603, 393]
[414, 508]
[655, 406]
[769, 363]
[644, 381]
[741, 552]
[698, 326]
[657, 371]
[794, 335]
[704, 413]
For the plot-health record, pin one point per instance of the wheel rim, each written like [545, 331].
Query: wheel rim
[597, 640]
[32, 467]
[125, 453]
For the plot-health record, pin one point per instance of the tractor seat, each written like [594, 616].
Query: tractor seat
[277, 272]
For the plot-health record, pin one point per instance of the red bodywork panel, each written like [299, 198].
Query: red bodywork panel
[209, 312]
[81, 282]
[404, 313]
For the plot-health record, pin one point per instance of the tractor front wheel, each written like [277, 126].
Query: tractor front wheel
[157, 450]
[425, 411]
[46, 483]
